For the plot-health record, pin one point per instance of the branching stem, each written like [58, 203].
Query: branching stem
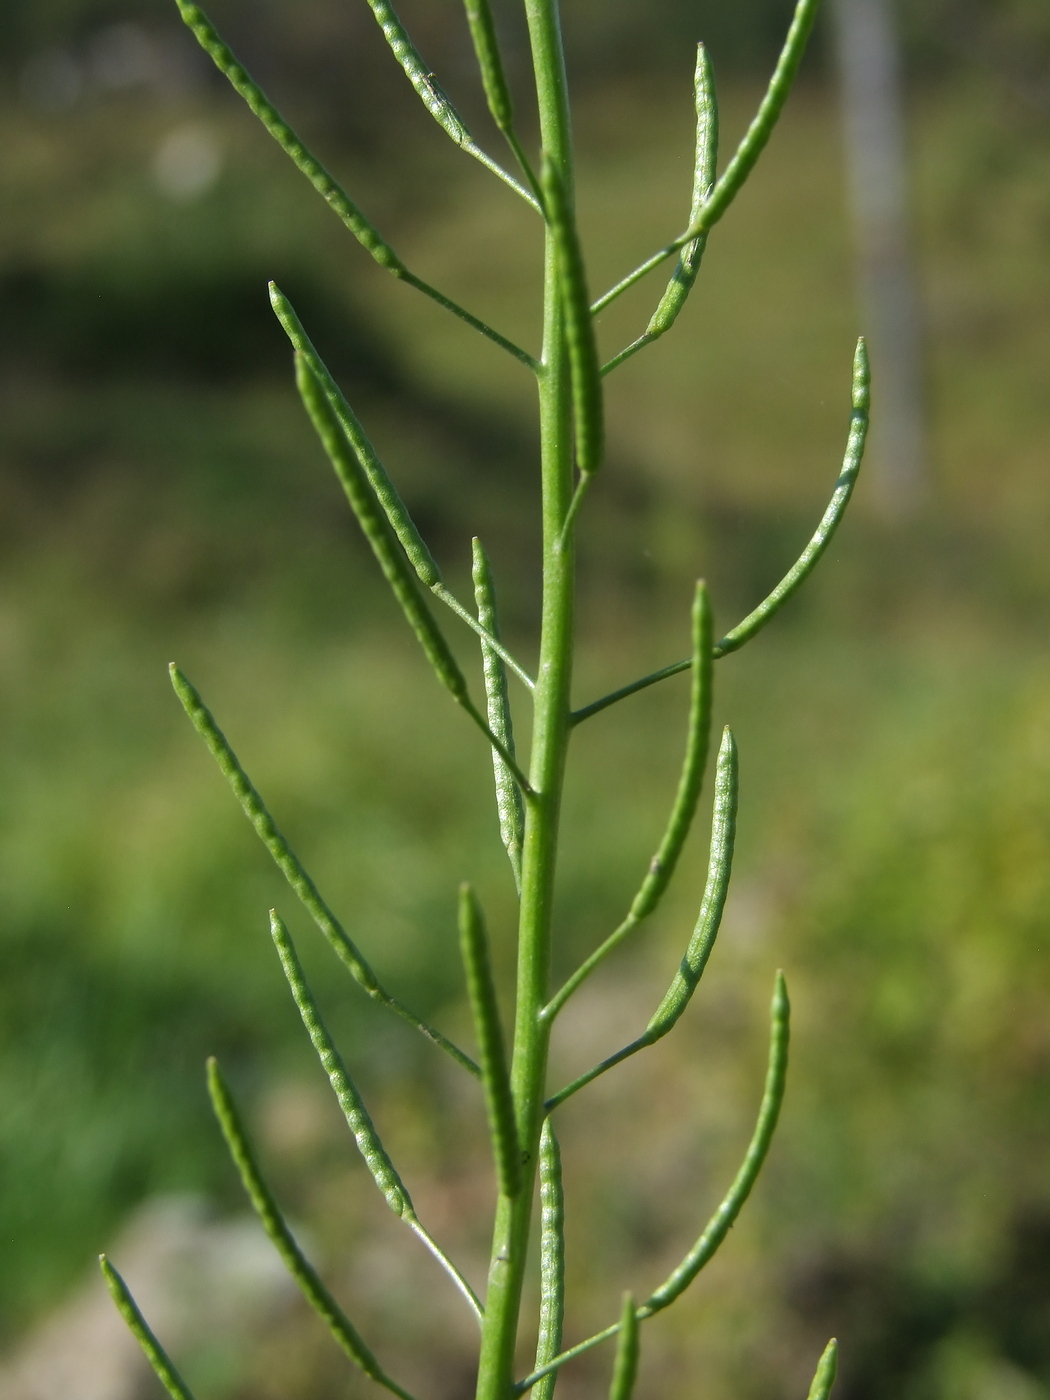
[572, 436]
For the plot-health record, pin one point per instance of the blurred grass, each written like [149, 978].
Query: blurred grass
[162, 498]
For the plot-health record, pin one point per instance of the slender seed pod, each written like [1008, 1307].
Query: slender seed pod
[761, 128]
[423, 81]
[155, 1354]
[808, 559]
[387, 549]
[386, 493]
[552, 1259]
[625, 1367]
[824, 1377]
[269, 1212]
[721, 1222]
[508, 795]
[663, 864]
[691, 969]
[404, 527]
[704, 170]
[377, 529]
[720, 865]
[493, 78]
[744, 158]
[588, 410]
[803, 566]
[481, 988]
[434, 97]
[330, 189]
[292, 868]
[383, 1171]
[326, 185]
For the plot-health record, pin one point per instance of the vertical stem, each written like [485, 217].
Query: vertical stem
[549, 745]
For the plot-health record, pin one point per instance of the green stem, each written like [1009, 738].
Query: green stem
[550, 741]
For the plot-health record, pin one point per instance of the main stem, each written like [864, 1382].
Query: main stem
[550, 741]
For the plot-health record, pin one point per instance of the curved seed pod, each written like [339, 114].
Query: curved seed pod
[625, 1368]
[493, 78]
[722, 1220]
[384, 1173]
[508, 795]
[418, 74]
[743, 162]
[704, 169]
[292, 869]
[275, 1225]
[386, 492]
[824, 1378]
[803, 566]
[761, 128]
[720, 1223]
[663, 864]
[481, 988]
[691, 969]
[720, 866]
[155, 1354]
[552, 1259]
[588, 410]
[808, 559]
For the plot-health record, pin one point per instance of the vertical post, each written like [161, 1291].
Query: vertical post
[868, 53]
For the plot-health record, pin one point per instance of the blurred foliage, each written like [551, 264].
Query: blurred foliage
[161, 497]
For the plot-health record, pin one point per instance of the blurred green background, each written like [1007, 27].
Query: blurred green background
[162, 498]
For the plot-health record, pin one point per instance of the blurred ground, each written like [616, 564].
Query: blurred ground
[162, 497]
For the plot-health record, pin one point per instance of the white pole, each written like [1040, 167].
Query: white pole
[873, 120]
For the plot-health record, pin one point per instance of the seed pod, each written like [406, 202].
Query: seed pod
[625, 1368]
[588, 410]
[493, 78]
[508, 795]
[492, 1053]
[721, 1222]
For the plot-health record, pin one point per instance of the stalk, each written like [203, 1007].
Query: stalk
[551, 730]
